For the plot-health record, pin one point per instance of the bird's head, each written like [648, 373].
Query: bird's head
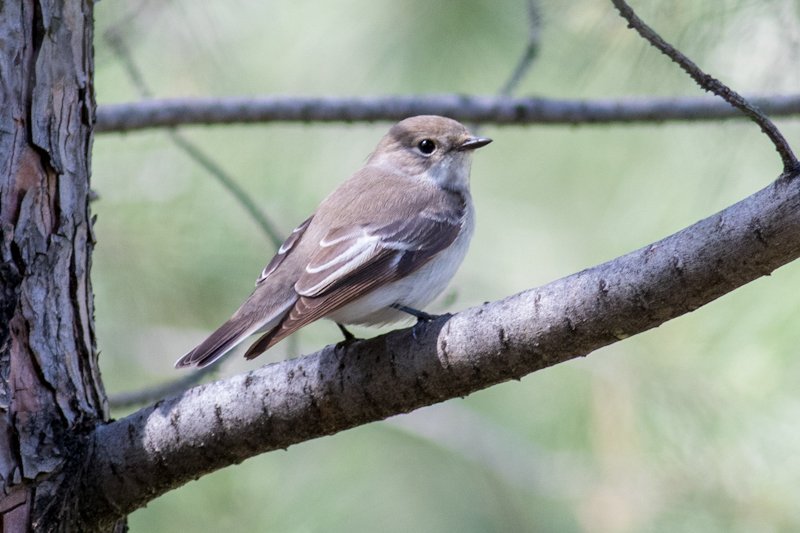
[429, 147]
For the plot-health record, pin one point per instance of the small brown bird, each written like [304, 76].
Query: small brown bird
[384, 244]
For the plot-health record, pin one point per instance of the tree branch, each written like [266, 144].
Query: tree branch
[206, 428]
[530, 52]
[478, 109]
[710, 84]
[214, 425]
[267, 226]
[122, 400]
[119, 47]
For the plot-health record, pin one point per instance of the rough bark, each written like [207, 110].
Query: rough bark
[51, 396]
[180, 438]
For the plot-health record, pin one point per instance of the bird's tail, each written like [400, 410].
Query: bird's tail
[257, 314]
[223, 340]
[249, 319]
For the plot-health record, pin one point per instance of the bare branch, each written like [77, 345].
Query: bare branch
[117, 44]
[151, 394]
[477, 109]
[211, 426]
[231, 185]
[529, 53]
[710, 84]
[525, 61]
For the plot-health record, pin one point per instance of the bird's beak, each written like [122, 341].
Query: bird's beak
[474, 142]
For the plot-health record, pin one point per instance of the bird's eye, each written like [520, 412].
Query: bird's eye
[426, 146]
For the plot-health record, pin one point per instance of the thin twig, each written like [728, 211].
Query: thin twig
[530, 52]
[120, 48]
[117, 43]
[116, 118]
[128, 399]
[123, 400]
[126, 23]
[202, 159]
[711, 84]
[525, 61]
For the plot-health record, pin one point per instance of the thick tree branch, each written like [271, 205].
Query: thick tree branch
[163, 446]
[475, 109]
[206, 428]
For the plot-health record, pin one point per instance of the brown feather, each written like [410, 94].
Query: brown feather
[217, 344]
[284, 250]
[307, 310]
[386, 222]
[428, 236]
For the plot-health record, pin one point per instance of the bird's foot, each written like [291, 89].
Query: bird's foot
[421, 316]
[349, 338]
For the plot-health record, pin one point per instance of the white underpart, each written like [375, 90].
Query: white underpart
[452, 173]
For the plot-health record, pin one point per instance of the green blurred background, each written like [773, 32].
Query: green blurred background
[690, 427]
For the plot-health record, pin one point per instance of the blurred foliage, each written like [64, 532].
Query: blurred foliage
[690, 427]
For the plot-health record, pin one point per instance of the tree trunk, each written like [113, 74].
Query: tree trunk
[51, 395]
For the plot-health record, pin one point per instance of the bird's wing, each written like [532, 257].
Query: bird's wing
[350, 262]
[287, 246]
[262, 311]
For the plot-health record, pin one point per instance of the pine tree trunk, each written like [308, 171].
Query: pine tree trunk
[50, 389]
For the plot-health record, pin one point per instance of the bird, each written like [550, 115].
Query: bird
[378, 249]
